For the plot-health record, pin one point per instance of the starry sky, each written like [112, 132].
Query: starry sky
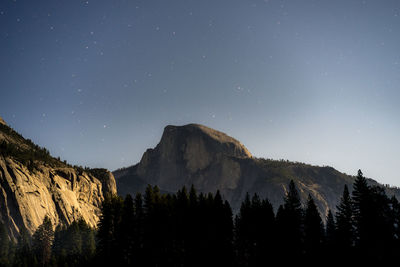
[313, 81]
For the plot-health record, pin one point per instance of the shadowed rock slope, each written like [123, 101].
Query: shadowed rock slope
[211, 160]
[33, 184]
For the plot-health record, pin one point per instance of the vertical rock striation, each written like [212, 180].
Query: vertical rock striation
[33, 185]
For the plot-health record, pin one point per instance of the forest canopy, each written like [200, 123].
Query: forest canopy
[191, 229]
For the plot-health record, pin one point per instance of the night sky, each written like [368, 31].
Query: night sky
[313, 81]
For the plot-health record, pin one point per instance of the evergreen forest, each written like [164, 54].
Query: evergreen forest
[192, 229]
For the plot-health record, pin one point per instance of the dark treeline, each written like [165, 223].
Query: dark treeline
[74, 245]
[190, 229]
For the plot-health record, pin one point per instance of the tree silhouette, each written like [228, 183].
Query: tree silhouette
[138, 234]
[330, 231]
[361, 198]
[187, 229]
[290, 224]
[254, 231]
[126, 231]
[108, 225]
[344, 224]
[313, 231]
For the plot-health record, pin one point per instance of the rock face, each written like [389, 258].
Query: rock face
[2, 121]
[210, 160]
[191, 154]
[33, 185]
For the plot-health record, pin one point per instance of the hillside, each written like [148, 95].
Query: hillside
[34, 184]
[211, 160]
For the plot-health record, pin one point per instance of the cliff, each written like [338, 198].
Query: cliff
[33, 184]
[210, 160]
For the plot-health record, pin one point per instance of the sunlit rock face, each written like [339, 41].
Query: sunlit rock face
[2, 121]
[210, 160]
[29, 193]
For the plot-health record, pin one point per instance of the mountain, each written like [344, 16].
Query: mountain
[211, 160]
[33, 184]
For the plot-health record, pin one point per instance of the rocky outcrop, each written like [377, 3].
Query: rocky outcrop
[33, 185]
[192, 154]
[2, 121]
[210, 160]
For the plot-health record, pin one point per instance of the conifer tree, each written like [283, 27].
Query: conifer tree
[395, 218]
[380, 226]
[193, 251]
[204, 221]
[107, 228]
[344, 223]
[362, 204]
[290, 222]
[193, 196]
[330, 231]
[126, 231]
[138, 234]
[243, 224]
[24, 256]
[88, 237]
[153, 220]
[254, 238]
[4, 245]
[313, 230]
[222, 231]
[43, 241]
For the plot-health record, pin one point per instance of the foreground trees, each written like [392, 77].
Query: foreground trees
[166, 230]
[43, 241]
[190, 229]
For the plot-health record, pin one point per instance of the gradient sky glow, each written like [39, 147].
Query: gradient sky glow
[313, 81]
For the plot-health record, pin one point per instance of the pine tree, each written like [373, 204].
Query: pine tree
[395, 222]
[330, 231]
[193, 197]
[344, 224]
[4, 245]
[183, 228]
[267, 233]
[126, 231]
[138, 233]
[109, 222]
[313, 230]
[74, 241]
[43, 241]
[105, 233]
[88, 237]
[243, 225]
[290, 224]
[24, 256]
[362, 204]
[193, 251]
[381, 228]
[152, 240]
[222, 231]
[254, 233]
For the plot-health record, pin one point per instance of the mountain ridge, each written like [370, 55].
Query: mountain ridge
[34, 184]
[186, 155]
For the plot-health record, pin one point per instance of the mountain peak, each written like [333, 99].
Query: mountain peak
[211, 160]
[227, 144]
